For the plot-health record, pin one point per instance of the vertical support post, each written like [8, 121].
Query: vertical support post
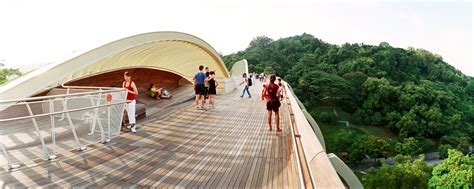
[73, 129]
[64, 108]
[122, 109]
[97, 119]
[43, 145]
[108, 124]
[93, 121]
[10, 164]
[53, 130]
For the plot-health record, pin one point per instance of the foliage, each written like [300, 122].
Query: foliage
[453, 172]
[402, 175]
[463, 145]
[443, 150]
[5, 73]
[409, 146]
[327, 117]
[359, 145]
[412, 92]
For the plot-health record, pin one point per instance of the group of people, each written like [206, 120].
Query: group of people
[132, 93]
[272, 93]
[205, 87]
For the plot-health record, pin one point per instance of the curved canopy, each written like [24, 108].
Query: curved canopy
[239, 68]
[175, 52]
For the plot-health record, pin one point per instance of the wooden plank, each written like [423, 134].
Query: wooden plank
[229, 146]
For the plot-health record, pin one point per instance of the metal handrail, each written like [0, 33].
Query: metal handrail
[58, 112]
[297, 155]
[309, 118]
[63, 98]
[23, 100]
[341, 168]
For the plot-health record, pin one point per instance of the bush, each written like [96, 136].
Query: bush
[326, 117]
[443, 150]
[427, 145]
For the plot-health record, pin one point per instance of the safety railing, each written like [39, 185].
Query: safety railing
[309, 118]
[317, 170]
[71, 114]
[319, 164]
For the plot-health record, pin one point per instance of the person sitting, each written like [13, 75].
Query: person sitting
[161, 93]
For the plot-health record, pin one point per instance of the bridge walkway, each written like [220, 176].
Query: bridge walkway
[229, 146]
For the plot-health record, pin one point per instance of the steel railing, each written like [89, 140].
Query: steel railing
[76, 107]
[339, 166]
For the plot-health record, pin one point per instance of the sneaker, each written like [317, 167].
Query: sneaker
[128, 126]
[198, 107]
[134, 128]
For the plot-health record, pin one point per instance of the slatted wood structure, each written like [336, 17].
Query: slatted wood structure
[226, 147]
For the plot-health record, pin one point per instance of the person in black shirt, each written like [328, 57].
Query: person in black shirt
[212, 88]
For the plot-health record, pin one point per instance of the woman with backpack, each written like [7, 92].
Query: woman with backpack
[247, 83]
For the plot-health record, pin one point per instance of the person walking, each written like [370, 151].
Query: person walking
[273, 103]
[132, 93]
[282, 88]
[212, 89]
[245, 81]
[206, 84]
[199, 89]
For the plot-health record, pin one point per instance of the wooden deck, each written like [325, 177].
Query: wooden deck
[226, 147]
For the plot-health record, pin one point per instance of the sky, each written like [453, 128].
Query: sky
[39, 32]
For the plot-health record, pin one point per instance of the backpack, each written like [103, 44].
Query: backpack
[249, 81]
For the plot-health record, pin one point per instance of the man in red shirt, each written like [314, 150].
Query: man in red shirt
[273, 103]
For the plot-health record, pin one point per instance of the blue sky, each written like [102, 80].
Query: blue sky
[35, 32]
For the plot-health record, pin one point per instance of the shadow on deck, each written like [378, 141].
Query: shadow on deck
[176, 145]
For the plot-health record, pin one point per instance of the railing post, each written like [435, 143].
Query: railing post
[10, 164]
[53, 130]
[122, 110]
[45, 150]
[78, 144]
[64, 108]
[97, 118]
[108, 125]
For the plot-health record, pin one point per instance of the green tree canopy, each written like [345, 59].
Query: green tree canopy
[453, 172]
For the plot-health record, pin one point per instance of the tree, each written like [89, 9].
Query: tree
[463, 145]
[443, 150]
[377, 147]
[6, 73]
[260, 42]
[470, 88]
[409, 146]
[402, 175]
[412, 92]
[453, 172]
